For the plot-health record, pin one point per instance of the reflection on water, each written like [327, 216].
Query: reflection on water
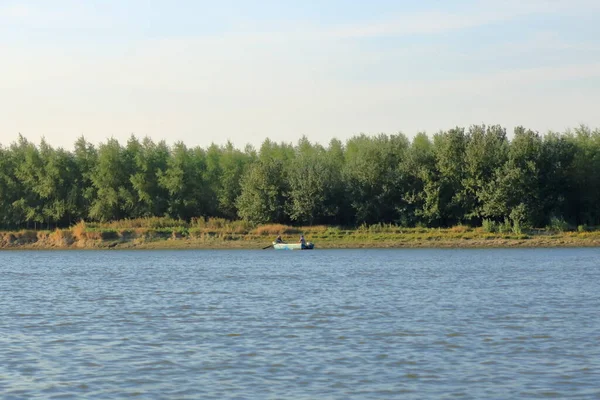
[336, 324]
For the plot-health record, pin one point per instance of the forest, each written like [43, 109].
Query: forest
[469, 176]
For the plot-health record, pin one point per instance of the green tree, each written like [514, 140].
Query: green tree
[341, 209]
[311, 193]
[417, 170]
[445, 203]
[584, 176]
[232, 164]
[147, 161]
[85, 157]
[55, 185]
[485, 152]
[517, 181]
[371, 175]
[555, 183]
[183, 181]
[263, 192]
[8, 188]
[114, 197]
[28, 164]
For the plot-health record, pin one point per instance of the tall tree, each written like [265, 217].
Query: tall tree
[371, 175]
[110, 177]
[263, 192]
[85, 158]
[28, 164]
[59, 197]
[148, 160]
[445, 203]
[183, 181]
[8, 188]
[311, 193]
[417, 171]
[516, 183]
[232, 164]
[584, 198]
[486, 151]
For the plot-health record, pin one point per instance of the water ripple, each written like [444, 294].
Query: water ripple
[378, 324]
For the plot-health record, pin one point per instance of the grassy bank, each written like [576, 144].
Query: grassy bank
[165, 233]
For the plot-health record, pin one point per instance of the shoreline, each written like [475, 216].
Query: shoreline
[50, 242]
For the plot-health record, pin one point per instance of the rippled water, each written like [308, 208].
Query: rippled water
[327, 324]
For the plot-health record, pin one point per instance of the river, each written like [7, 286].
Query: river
[322, 324]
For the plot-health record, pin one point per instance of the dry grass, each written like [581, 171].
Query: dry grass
[93, 235]
[150, 222]
[27, 235]
[222, 233]
[314, 229]
[275, 229]
[461, 229]
[221, 225]
[79, 230]
[62, 237]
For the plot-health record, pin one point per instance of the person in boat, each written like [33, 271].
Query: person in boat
[279, 239]
[302, 241]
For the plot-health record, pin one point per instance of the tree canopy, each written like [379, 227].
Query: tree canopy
[462, 175]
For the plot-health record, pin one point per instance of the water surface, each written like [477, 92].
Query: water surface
[327, 324]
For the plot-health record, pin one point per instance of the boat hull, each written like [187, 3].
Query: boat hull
[293, 246]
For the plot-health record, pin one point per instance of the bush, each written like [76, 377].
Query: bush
[180, 232]
[582, 228]
[518, 217]
[109, 234]
[558, 225]
[506, 226]
[489, 226]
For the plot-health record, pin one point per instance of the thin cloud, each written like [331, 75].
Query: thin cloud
[479, 14]
[17, 11]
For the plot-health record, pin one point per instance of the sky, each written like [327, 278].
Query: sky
[207, 72]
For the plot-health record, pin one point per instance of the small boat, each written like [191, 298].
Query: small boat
[293, 246]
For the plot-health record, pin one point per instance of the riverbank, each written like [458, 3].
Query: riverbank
[236, 235]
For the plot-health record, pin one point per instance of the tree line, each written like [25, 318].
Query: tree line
[458, 176]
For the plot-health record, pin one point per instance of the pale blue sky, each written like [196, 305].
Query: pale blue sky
[212, 71]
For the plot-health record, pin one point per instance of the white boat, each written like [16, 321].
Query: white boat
[293, 246]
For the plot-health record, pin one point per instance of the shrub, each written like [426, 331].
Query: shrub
[517, 228]
[506, 226]
[558, 225]
[79, 230]
[582, 228]
[180, 232]
[518, 217]
[195, 232]
[489, 226]
[109, 234]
